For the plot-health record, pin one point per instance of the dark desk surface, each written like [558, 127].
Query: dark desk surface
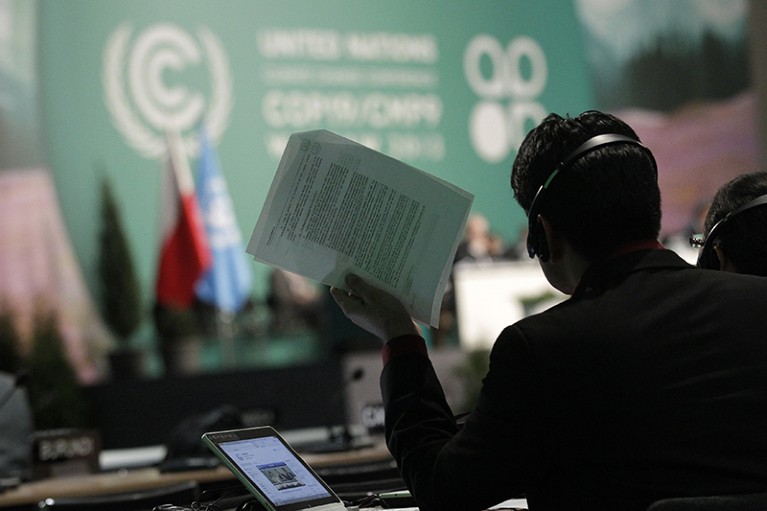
[105, 483]
[125, 481]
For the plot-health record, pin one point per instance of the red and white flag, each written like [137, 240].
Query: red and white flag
[185, 254]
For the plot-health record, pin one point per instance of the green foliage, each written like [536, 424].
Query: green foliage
[54, 393]
[672, 70]
[10, 359]
[472, 372]
[532, 304]
[120, 293]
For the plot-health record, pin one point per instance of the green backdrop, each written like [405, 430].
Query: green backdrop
[449, 86]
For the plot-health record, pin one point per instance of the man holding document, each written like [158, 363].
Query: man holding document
[649, 382]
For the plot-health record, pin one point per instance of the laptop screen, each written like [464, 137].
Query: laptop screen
[274, 469]
[264, 462]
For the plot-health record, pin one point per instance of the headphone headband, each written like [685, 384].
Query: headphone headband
[535, 242]
[707, 257]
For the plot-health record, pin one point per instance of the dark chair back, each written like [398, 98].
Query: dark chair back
[746, 502]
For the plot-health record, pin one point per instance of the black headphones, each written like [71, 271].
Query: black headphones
[707, 258]
[536, 238]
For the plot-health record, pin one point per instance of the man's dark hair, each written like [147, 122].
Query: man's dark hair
[744, 236]
[604, 199]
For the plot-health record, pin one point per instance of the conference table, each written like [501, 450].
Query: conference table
[128, 480]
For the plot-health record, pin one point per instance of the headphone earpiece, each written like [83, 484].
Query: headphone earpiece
[707, 258]
[536, 241]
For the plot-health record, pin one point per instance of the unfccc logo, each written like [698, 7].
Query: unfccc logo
[144, 90]
[508, 92]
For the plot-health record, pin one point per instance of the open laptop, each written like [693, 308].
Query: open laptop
[271, 470]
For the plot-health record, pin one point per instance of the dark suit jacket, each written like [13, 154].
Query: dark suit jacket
[650, 382]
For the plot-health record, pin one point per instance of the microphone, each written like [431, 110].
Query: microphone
[19, 380]
[343, 437]
[339, 439]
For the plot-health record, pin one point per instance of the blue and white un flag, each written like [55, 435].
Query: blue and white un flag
[228, 282]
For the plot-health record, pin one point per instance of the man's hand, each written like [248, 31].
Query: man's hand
[373, 309]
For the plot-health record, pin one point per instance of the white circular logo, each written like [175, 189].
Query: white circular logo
[508, 95]
[144, 86]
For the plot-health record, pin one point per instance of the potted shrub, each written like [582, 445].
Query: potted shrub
[55, 395]
[179, 337]
[120, 292]
[10, 359]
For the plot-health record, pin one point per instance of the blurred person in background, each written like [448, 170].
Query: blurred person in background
[735, 229]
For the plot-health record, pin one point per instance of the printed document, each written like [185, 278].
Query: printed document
[338, 207]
